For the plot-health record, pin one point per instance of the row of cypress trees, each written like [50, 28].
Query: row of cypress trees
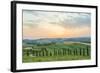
[58, 52]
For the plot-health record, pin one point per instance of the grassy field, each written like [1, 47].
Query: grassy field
[56, 52]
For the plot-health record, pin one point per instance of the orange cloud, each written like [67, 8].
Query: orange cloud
[54, 31]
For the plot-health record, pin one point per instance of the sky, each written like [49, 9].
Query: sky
[51, 24]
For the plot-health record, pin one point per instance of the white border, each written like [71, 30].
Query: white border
[37, 65]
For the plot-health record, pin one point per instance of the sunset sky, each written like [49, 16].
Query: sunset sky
[47, 24]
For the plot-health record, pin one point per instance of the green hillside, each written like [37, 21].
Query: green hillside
[56, 52]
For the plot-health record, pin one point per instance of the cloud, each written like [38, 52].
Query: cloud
[53, 24]
[51, 31]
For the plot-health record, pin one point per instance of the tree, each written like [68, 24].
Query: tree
[80, 52]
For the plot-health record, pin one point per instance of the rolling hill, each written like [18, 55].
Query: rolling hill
[56, 40]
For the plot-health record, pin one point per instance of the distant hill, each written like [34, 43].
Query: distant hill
[56, 40]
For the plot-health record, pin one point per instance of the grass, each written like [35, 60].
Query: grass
[53, 58]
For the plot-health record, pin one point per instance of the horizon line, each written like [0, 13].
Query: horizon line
[58, 37]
